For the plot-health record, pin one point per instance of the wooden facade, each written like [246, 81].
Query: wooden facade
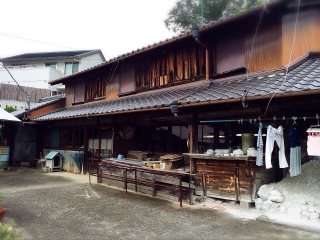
[307, 37]
[251, 44]
[183, 61]
[48, 108]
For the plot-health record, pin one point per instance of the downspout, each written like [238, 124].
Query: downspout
[195, 34]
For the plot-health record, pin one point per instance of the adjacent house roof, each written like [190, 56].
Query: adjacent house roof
[302, 78]
[41, 103]
[188, 34]
[52, 55]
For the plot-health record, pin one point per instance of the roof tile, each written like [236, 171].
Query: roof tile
[301, 78]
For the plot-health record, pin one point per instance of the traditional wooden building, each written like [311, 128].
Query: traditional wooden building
[198, 91]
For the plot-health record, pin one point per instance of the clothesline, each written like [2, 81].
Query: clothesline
[294, 118]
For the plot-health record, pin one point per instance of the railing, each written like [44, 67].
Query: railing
[155, 182]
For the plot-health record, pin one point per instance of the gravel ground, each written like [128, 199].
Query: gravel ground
[64, 206]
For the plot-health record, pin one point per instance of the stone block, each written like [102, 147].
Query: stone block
[264, 192]
[276, 196]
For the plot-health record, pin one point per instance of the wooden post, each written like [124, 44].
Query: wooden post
[215, 136]
[250, 184]
[191, 192]
[180, 191]
[125, 180]
[195, 132]
[190, 139]
[153, 185]
[204, 187]
[99, 172]
[85, 152]
[169, 138]
[123, 175]
[235, 182]
[135, 179]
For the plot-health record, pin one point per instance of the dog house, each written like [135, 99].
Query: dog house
[54, 161]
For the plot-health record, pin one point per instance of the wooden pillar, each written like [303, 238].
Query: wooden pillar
[169, 139]
[190, 138]
[85, 151]
[99, 136]
[207, 63]
[153, 185]
[216, 129]
[193, 135]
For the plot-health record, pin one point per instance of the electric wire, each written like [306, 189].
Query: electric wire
[289, 60]
[32, 40]
[26, 94]
[250, 56]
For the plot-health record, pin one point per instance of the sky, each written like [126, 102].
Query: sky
[114, 26]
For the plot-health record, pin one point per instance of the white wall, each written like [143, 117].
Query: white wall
[90, 61]
[37, 75]
[12, 103]
[32, 77]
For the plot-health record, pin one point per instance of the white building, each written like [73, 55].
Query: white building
[37, 69]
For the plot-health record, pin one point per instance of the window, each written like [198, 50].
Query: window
[79, 91]
[100, 142]
[71, 67]
[51, 65]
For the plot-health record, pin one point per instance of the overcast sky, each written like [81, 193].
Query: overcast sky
[114, 26]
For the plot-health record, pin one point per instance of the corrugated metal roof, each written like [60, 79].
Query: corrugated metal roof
[303, 78]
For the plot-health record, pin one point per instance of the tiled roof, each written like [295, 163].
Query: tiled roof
[42, 102]
[303, 77]
[50, 55]
[181, 36]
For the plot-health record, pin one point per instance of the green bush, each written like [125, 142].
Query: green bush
[7, 232]
[9, 109]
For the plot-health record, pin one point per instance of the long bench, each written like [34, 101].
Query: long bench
[102, 167]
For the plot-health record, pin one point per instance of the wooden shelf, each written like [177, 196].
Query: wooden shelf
[217, 157]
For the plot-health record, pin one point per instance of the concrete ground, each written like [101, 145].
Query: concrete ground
[63, 205]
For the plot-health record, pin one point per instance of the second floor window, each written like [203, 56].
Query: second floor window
[51, 65]
[71, 67]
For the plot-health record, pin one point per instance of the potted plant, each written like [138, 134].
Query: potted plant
[2, 209]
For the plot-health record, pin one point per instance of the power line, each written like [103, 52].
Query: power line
[289, 60]
[25, 93]
[32, 40]
[243, 98]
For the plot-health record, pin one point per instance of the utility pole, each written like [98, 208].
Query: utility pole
[201, 10]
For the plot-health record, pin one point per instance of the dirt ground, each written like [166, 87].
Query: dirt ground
[63, 205]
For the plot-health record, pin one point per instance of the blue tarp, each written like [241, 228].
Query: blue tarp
[77, 157]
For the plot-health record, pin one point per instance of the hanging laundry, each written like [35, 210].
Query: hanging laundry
[313, 143]
[295, 151]
[275, 134]
[259, 157]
